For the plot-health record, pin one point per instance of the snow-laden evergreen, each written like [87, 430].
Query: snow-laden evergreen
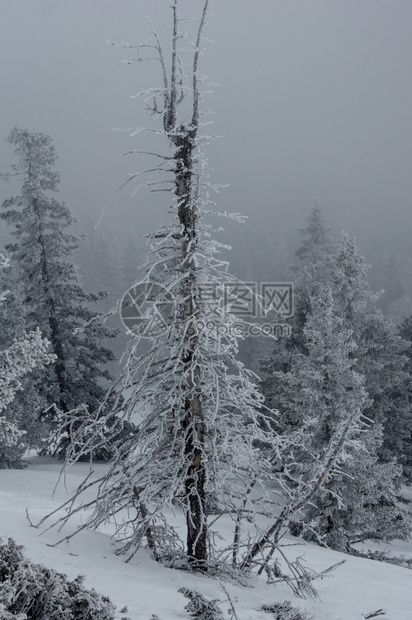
[24, 354]
[335, 332]
[45, 281]
[380, 355]
[403, 397]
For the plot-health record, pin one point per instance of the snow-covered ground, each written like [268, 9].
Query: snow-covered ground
[350, 592]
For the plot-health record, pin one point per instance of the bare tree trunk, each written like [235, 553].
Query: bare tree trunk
[183, 137]
[193, 424]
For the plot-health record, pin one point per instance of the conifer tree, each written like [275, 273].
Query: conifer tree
[27, 404]
[131, 255]
[316, 254]
[21, 356]
[403, 397]
[380, 353]
[319, 393]
[44, 277]
[361, 499]
[317, 243]
[101, 269]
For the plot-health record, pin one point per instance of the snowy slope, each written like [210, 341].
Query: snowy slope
[353, 590]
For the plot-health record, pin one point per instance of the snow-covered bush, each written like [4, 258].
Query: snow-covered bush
[285, 611]
[34, 592]
[199, 607]
[6, 615]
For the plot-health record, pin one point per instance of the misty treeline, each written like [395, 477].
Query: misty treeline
[320, 445]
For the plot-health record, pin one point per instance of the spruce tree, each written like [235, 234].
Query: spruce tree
[44, 277]
[316, 254]
[317, 243]
[358, 501]
[380, 353]
[20, 357]
[403, 397]
[320, 393]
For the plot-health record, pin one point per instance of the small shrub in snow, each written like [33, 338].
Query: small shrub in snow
[199, 607]
[6, 615]
[285, 611]
[124, 611]
[381, 556]
[33, 592]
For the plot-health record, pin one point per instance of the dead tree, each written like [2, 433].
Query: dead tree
[184, 139]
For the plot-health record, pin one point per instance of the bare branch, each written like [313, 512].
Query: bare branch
[196, 94]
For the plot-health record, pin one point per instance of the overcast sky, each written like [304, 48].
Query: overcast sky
[314, 101]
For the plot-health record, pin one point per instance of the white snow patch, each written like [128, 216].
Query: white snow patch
[356, 588]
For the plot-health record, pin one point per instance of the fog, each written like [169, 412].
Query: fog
[313, 99]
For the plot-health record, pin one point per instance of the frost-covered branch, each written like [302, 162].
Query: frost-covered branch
[18, 360]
